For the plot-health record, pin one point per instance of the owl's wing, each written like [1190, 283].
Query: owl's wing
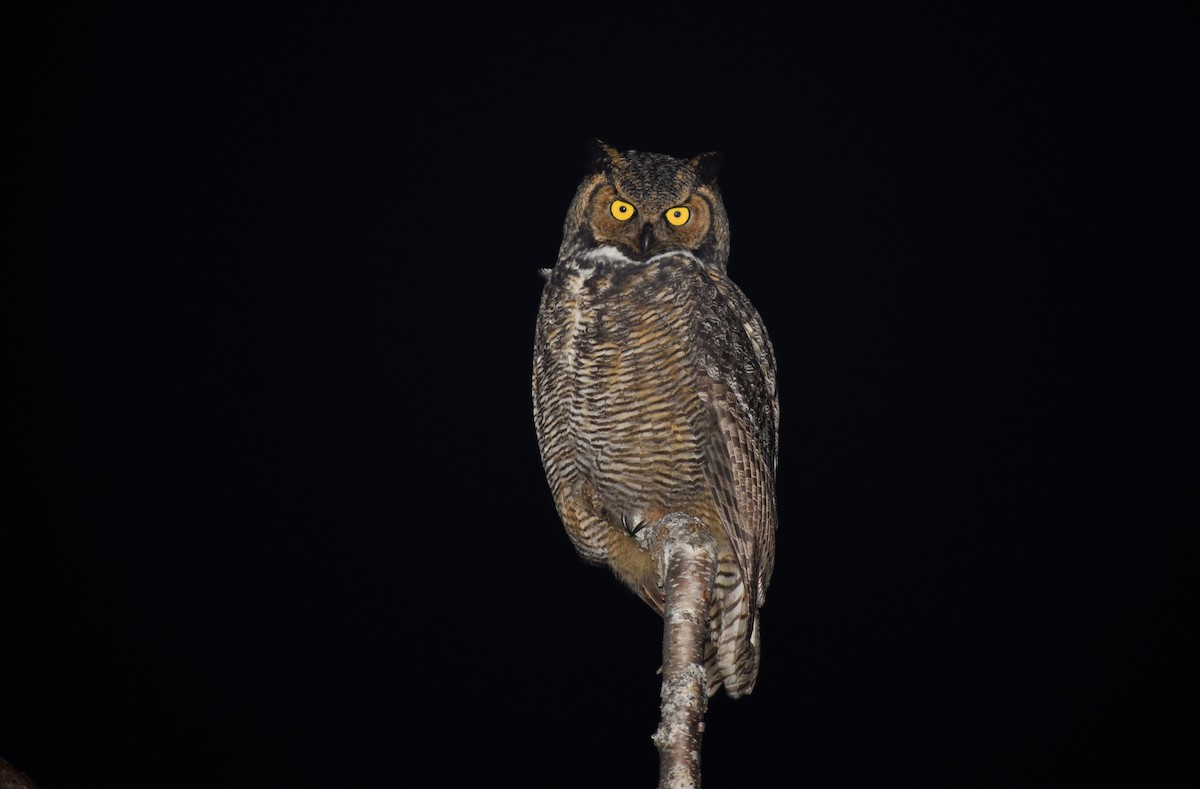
[739, 370]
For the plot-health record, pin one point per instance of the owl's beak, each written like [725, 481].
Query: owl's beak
[646, 239]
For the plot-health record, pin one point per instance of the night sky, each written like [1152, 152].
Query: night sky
[278, 517]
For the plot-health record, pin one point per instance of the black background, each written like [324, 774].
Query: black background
[278, 517]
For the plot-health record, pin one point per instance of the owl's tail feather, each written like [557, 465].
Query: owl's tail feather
[733, 650]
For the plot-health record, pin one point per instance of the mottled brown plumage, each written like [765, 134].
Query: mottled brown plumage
[654, 389]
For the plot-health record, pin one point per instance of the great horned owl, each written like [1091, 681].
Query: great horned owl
[654, 389]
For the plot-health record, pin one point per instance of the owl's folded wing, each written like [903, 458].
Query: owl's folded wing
[739, 368]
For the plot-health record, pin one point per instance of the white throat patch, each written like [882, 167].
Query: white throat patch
[610, 254]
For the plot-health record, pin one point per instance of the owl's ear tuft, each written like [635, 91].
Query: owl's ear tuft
[708, 165]
[602, 157]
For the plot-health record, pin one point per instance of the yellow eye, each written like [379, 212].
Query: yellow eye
[678, 215]
[621, 210]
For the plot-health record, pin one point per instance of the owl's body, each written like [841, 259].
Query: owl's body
[654, 390]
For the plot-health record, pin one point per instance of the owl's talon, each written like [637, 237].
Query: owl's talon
[641, 524]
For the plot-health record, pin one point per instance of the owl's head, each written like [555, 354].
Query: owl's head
[645, 204]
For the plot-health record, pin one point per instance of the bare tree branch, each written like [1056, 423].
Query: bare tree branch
[688, 555]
